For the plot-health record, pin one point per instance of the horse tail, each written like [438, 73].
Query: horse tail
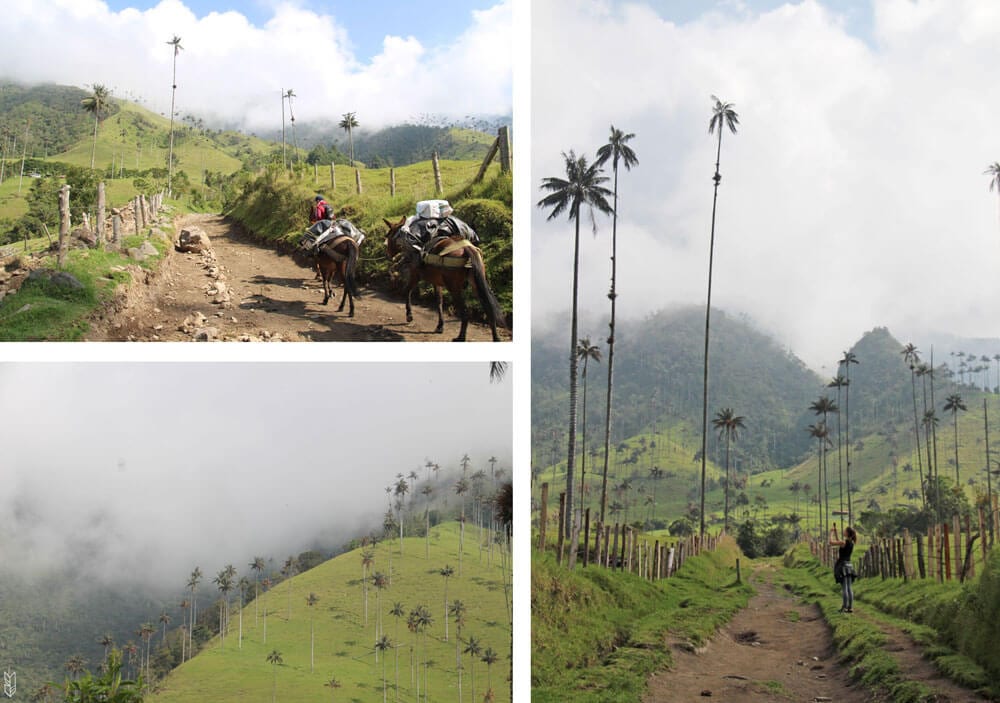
[486, 298]
[352, 265]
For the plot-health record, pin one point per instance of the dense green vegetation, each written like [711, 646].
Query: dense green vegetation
[597, 634]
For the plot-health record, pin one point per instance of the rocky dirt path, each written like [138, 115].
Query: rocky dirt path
[267, 297]
[775, 649]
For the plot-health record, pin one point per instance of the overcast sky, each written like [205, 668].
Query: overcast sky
[853, 195]
[388, 63]
[161, 466]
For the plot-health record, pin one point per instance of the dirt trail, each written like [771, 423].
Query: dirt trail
[779, 649]
[775, 649]
[270, 298]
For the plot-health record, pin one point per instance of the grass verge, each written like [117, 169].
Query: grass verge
[598, 634]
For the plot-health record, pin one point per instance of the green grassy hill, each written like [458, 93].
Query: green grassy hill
[344, 639]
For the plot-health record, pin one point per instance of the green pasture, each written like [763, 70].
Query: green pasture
[344, 640]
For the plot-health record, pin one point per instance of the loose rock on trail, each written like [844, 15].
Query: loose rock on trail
[243, 290]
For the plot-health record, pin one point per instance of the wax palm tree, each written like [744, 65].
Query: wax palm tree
[839, 382]
[107, 641]
[380, 581]
[848, 359]
[490, 658]
[580, 188]
[348, 124]
[288, 570]
[729, 424]
[457, 611]
[993, 171]
[146, 631]
[617, 151]
[97, 103]
[311, 600]
[266, 583]
[447, 572]
[824, 406]
[176, 43]
[953, 403]
[291, 114]
[75, 665]
[367, 559]
[498, 369]
[474, 649]
[275, 660]
[586, 351]
[224, 582]
[164, 620]
[383, 643]
[911, 356]
[723, 115]
[192, 583]
[257, 566]
[397, 612]
[821, 433]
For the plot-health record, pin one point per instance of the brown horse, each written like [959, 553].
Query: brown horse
[337, 257]
[450, 262]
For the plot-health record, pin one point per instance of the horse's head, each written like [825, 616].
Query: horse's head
[392, 244]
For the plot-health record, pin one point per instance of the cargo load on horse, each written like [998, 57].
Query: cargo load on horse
[433, 220]
[328, 230]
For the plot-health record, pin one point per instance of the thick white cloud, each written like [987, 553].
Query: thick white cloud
[852, 196]
[159, 466]
[232, 69]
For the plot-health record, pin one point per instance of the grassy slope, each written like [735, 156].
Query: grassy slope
[598, 634]
[344, 644]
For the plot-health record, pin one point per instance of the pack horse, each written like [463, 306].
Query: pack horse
[448, 259]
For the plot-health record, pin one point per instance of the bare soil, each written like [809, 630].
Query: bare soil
[270, 298]
[775, 649]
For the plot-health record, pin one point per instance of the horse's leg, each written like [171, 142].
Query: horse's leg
[343, 277]
[440, 308]
[327, 284]
[457, 295]
[411, 284]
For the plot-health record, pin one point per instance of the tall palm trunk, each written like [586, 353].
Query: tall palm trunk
[708, 315]
[170, 152]
[989, 483]
[93, 150]
[916, 432]
[726, 509]
[611, 344]
[571, 452]
[583, 442]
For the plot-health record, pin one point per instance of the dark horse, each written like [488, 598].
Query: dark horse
[337, 257]
[450, 262]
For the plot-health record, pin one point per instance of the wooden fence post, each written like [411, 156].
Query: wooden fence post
[116, 227]
[63, 223]
[614, 548]
[100, 214]
[607, 552]
[586, 536]
[544, 517]
[392, 182]
[597, 543]
[357, 179]
[920, 557]
[562, 533]
[333, 178]
[956, 527]
[438, 188]
[946, 546]
[503, 138]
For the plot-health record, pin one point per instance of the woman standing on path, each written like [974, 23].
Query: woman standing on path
[843, 570]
